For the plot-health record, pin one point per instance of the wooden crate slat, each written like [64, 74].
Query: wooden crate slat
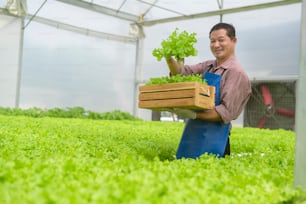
[168, 87]
[179, 102]
[166, 95]
[208, 104]
[189, 95]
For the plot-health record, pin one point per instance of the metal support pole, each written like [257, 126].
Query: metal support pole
[19, 71]
[220, 5]
[138, 73]
[300, 150]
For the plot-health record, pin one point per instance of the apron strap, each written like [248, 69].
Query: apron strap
[223, 72]
[214, 71]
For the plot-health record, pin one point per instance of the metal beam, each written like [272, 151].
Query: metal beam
[300, 118]
[221, 12]
[83, 31]
[76, 29]
[102, 9]
[5, 12]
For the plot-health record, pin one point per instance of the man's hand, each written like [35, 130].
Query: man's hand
[184, 113]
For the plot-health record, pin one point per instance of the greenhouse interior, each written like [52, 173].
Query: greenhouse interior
[59, 58]
[96, 54]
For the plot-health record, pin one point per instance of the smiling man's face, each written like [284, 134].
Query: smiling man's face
[221, 45]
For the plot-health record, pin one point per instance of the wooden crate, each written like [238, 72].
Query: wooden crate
[187, 95]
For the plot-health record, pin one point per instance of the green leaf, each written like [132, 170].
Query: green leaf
[178, 45]
[176, 78]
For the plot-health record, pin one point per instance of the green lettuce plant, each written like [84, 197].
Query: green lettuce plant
[79, 160]
[176, 79]
[179, 45]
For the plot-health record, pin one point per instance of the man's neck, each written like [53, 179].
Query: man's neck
[221, 61]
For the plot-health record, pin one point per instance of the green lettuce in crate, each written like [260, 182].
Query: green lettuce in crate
[176, 79]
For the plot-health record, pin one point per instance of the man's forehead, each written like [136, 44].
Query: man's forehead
[218, 33]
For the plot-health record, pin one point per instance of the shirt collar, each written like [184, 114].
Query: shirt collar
[224, 65]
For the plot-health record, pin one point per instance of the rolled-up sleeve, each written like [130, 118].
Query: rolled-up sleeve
[193, 69]
[235, 93]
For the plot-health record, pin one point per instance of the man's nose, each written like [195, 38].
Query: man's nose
[216, 44]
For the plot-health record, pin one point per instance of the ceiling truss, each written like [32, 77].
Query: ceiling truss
[139, 19]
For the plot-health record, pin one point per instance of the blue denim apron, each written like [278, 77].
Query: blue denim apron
[199, 136]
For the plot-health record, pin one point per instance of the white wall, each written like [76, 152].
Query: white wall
[65, 69]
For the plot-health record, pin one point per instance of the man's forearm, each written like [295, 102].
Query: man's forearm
[209, 115]
[174, 67]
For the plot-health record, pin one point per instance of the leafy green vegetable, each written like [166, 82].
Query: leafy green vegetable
[74, 112]
[176, 78]
[178, 45]
[63, 160]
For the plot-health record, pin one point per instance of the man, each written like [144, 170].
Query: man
[208, 131]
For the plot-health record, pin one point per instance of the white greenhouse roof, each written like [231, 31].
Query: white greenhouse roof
[154, 10]
[145, 12]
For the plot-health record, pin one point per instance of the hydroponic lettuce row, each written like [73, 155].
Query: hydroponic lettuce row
[72, 112]
[176, 78]
[72, 160]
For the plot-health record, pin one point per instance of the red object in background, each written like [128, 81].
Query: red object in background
[262, 122]
[269, 107]
[285, 112]
[267, 97]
